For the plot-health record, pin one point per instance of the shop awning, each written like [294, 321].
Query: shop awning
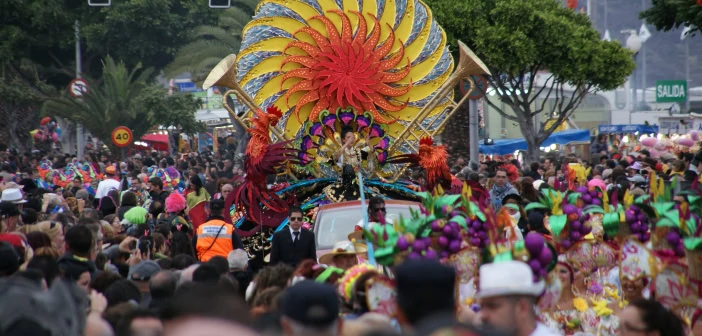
[509, 146]
[619, 129]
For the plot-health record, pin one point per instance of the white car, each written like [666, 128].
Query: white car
[335, 221]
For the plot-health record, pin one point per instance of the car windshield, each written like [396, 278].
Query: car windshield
[335, 225]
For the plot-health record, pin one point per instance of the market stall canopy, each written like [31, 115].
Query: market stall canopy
[509, 146]
[154, 141]
[619, 129]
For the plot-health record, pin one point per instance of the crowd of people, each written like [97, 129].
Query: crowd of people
[126, 255]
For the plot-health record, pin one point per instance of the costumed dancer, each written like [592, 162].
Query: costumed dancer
[521, 273]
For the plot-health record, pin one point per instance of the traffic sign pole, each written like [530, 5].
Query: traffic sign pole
[79, 69]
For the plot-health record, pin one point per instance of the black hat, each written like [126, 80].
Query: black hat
[8, 209]
[515, 197]
[427, 284]
[28, 185]
[10, 260]
[311, 304]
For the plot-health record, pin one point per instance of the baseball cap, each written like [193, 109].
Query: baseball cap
[13, 185]
[637, 179]
[606, 173]
[111, 170]
[311, 303]
[144, 270]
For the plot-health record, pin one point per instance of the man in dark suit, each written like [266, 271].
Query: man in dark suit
[293, 243]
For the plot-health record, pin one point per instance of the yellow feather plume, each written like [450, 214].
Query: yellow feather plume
[556, 201]
[628, 199]
[467, 192]
[605, 201]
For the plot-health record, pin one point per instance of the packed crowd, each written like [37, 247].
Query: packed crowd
[144, 251]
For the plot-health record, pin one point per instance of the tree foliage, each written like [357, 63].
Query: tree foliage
[518, 39]
[667, 15]
[147, 32]
[19, 109]
[37, 44]
[210, 43]
[125, 98]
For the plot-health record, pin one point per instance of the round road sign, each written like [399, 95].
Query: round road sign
[122, 136]
[479, 91]
[78, 87]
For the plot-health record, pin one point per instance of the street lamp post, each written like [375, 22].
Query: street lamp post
[687, 74]
[633, 43]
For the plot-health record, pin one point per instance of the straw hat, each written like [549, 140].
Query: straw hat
[343, 247]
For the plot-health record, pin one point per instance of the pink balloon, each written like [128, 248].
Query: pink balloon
[694, 135]
[54, 137]
[686, 142]
[649, 142]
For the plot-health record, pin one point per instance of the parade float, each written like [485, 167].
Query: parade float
[338, 93]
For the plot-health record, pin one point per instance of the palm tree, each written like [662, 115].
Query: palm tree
[211, 43]
[115, 101]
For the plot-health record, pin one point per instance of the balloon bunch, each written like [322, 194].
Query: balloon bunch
[540, 257]
[638, 223]
[589, 196]
[564, 220]
[436, 231]
[48, 131]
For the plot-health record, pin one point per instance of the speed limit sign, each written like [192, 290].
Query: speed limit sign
[122, 136]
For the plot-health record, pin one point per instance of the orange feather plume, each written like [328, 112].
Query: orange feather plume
[512, 172]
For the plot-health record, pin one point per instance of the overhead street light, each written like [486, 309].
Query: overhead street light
[220, 4]
[100, 3]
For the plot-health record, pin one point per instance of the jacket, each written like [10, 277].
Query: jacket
[214, 238]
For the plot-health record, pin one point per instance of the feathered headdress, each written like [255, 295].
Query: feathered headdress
[275, 114]
[512, 172]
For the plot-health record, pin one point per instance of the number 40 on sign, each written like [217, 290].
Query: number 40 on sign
[121, 136]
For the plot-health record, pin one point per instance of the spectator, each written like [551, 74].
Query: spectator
[310, 308]
[216, 237]
[238, 268]
[500, 189]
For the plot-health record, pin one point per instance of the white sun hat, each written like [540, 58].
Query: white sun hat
[508, 278]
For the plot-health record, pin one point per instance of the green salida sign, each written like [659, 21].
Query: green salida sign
[671, 91]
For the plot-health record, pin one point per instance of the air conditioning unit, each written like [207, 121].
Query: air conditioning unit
[220, 3]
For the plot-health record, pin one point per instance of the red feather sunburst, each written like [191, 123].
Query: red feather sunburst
[347, 69]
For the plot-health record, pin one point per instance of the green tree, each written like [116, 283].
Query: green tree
[518, 39]
[147, 32]
[209, 44]
[125, 98]
[19, 109]
[671, 14]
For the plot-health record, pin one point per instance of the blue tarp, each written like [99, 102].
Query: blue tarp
[618, 129]
[509, 146]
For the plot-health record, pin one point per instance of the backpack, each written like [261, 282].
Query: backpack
[167, 220]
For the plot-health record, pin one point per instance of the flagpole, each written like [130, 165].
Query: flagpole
[364, 210]
[643, 59]
[687, 74]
